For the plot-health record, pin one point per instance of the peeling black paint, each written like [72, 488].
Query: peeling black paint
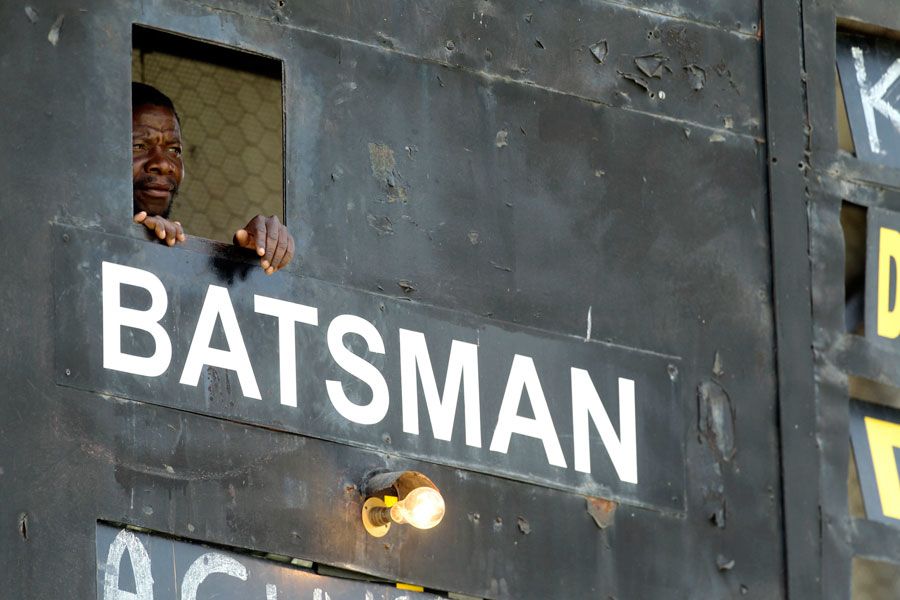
[716, 419]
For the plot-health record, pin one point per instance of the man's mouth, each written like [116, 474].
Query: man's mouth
[155, 192]
[155, 189]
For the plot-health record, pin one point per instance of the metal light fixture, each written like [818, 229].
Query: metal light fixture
[401, 497]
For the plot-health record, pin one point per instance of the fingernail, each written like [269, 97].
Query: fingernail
[265, 264]
[260, 251]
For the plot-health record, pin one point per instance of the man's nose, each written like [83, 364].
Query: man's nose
[160, 162]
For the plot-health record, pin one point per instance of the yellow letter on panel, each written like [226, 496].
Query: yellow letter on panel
[884, 437]
[888, 252]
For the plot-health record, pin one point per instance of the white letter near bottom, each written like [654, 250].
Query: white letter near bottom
[140, 566]
[206, 565]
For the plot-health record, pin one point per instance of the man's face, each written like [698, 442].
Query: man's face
[156, 164]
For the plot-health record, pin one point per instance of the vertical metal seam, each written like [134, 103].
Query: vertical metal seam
[788, 139]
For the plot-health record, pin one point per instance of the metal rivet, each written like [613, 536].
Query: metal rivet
[68, 372]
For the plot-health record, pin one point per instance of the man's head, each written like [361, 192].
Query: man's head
[157, 168]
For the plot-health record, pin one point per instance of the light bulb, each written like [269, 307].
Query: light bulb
[422, 508]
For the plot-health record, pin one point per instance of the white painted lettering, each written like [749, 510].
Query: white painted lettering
[217, 305]
[140, 566]
[116, 316]
[206, 565]
[873, 97]
[523, 377]
[287, 313]
[377, 408]
[461, 367]
[586, 403]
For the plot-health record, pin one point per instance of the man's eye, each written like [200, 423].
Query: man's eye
[176, 150]
[138, 147]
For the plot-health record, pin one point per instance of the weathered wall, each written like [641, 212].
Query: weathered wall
[643, 208]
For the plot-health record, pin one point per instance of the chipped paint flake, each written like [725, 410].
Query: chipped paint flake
[53, 36]
[716, 419]
[696, 77]
[587, 335]
[600, 50]
[717, 368]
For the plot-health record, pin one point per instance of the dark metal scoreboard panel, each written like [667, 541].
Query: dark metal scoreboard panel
[585, 185]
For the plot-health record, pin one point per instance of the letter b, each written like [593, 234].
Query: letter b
[115, 317]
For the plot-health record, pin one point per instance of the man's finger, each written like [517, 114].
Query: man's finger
[139, 218]
[161, 229]
[149, 222]
[242, 238]
[258, 228]
[171, 233]
[290, 252]
[281, 249]
[179, 232]
[273, 229]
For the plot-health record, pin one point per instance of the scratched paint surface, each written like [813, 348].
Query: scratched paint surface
[472, 157]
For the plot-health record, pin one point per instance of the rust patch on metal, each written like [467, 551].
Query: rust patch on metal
[603, 511]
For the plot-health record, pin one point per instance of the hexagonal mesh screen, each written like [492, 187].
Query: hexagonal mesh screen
[230, 107]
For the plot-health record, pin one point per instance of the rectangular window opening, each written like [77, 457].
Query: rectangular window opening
[873, 392]
[853, 223]
[842, 121]
[874, 580]
[855, 505]
[230, 109]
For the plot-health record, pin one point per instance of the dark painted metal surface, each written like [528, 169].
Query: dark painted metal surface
[787, 139]
[82, 362]
[648, 213]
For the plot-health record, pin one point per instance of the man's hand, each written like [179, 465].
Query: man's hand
[270, 239]
[168, 231]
